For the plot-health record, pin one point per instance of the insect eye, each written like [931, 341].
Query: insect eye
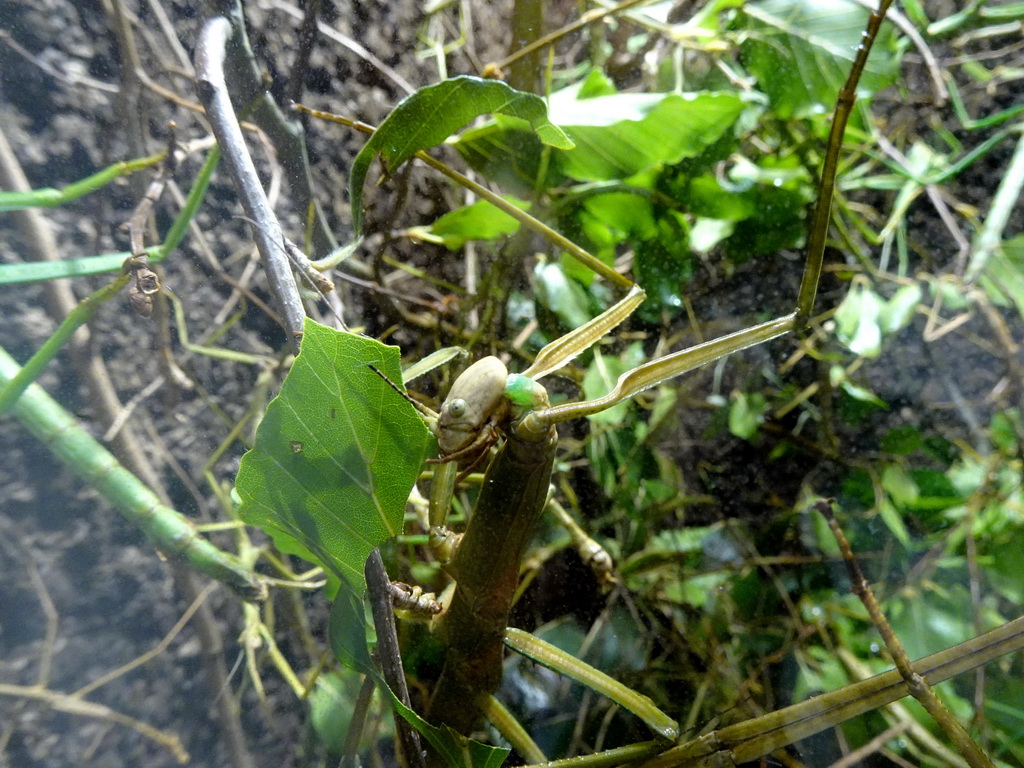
[457, 407]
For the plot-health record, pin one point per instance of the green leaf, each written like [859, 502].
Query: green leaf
[479, 221]
[855, 394]
[601, 377]
[430, 115]
[347, 631]
[331, 705]
[765, 202]
[623, 213]
[800, 52]
[899, 310]
[818, 536]
[663, 263]
[1004, 430]
[1004, 273]
[900, 484]
[903, 440]
[746, 414]
[934, 619]
[894, 522]
[707, 197]
[862, 395]
[514, 159]
[857, 324]
[456, 750]
[564, 297]
[336, 454]
[618, 136]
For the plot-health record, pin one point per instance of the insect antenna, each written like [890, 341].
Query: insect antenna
[423, 410]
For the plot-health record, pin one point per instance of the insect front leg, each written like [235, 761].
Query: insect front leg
[442, 541]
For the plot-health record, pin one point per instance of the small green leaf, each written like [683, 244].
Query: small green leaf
[706, 234]
[602, 375]
[479, 221]
[902, 441]
[891, 517]
[862, 395]
[857, 324]
[430, 115]
[331, 705]
[899, 484]
[1005, 428]
[818, 536]
[899, 310]
[934, 619]
[856, 394]
[623, 214]
[565, 297]
[1004, 273]
[746, 414]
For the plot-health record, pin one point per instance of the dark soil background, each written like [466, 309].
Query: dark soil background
[81, 592]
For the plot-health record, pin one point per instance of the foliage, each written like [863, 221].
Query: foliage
[698, 171]
[335, 456]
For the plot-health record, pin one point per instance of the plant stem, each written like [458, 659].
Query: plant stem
[169, 530]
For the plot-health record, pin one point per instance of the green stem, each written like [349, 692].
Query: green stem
[192, 202]
[610, 758]
[50, 198]
[88, 307]
[556, 659]
[749, 740]
[169, 530]
[1003, 204]
[826, 188]
[509, 727]
[78, 317]
[36, 271]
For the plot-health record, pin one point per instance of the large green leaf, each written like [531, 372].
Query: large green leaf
[615, 136]
[430, 115]
[619, 135]
[336, 454]
[800, 52]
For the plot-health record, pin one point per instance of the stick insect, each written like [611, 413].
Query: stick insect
[487, 405]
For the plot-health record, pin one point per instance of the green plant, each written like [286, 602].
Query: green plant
[721, 595]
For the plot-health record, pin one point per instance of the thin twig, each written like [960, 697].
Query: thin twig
[853, 758]
[589, 17]
[245, 77]
[73, 705]
[918, 685]
[379, 589]
[210, 55]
